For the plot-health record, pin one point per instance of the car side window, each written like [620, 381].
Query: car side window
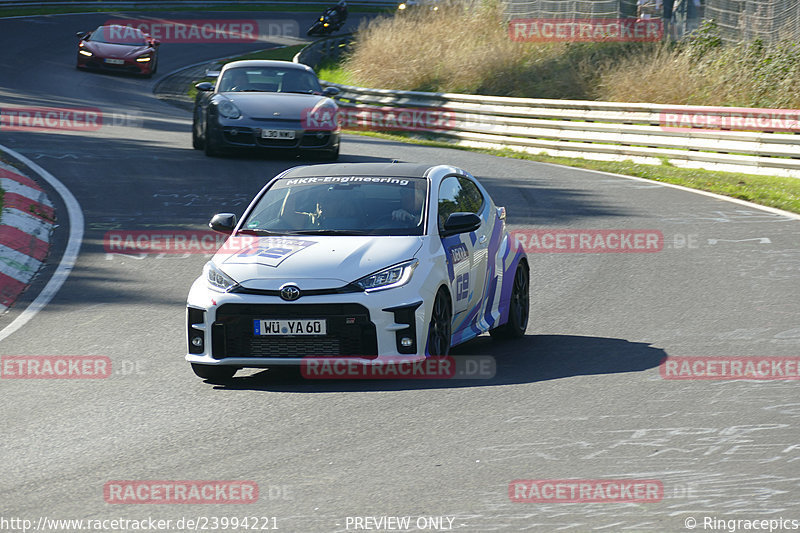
[449, 191]
[470, 200]
[458, 195]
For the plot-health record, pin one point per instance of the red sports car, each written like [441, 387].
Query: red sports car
[118, 48]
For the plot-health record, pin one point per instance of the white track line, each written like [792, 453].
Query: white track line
[70, 253]
[768, 209]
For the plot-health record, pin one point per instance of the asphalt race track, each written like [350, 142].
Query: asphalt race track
[581, 397]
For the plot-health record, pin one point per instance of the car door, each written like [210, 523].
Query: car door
[466, 253]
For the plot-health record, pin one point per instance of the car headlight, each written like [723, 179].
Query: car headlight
[144, 59]
[323, 116]
[228, 109]
[218, 280]
[86, 53]
[388, 278]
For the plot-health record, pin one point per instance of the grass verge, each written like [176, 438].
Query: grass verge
[773, 191]
[466, 48]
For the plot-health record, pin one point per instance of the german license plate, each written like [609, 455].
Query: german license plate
[277, 134]
[115, 61]
[304, 326]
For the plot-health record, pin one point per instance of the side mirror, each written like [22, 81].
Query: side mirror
[460, 223]
[223, 223]
[204, 86]
[156, 42]
[81, 34]
[331, 91]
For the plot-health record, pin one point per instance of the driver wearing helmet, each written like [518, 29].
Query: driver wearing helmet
[340, 9]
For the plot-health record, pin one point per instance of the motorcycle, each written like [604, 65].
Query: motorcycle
[330, 21]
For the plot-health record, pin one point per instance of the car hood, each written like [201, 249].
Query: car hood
[265, 105]
[312, 262]
[116, 51]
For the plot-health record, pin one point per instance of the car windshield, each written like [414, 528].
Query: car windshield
[269, 79]
[341, 205]
[118, 35]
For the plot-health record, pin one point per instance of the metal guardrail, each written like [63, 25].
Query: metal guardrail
[326, 48]
[641, 132]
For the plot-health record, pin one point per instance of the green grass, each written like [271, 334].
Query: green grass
[333, 72]
[772, 191]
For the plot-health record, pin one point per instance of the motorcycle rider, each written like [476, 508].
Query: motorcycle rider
[331, 20]
[340, 11]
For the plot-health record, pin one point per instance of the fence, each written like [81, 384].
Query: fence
[569, 9]
[745, 20]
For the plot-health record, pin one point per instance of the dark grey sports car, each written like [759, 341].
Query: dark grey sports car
[268, 105]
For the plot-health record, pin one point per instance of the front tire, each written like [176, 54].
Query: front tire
[440, 326]
[214, 374]
[197, 142]
[210, 145]
[518, 307]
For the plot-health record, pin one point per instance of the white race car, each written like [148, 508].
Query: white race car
[369, 260]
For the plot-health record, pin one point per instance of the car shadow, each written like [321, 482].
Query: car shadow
[295, 157]
[482, 362]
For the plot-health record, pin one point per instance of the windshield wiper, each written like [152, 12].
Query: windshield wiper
[258, 231]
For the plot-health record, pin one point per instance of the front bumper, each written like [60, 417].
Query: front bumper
[238, 133]
[99, 63]
[368, 326]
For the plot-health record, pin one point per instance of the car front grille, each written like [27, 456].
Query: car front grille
[349, 331]
[277, 143]
[99, 65]
[315, 139]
